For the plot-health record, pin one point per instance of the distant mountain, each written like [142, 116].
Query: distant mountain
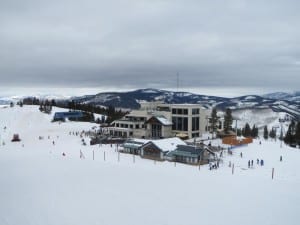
[288, 103]
[4, 102]
[295, 96]
[131, 99]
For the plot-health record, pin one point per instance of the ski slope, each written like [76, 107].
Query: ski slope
[38, 185]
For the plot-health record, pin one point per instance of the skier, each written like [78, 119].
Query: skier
[257, 161]
[248, 163]
[252, 163]
[281, 158]
[241, 155]
[261, 162]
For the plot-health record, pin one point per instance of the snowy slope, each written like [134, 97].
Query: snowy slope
[40, 186]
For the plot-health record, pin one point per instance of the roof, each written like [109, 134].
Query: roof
[135, 143]
[189, 151]
[160, 119]
[63, 115]
[167, 144]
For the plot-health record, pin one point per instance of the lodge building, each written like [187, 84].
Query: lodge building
[155, 120]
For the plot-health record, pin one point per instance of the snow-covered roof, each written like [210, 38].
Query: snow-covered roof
[163, 120]
[168, 144]
[135, 143]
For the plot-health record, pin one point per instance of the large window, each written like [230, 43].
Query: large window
[195, 123]
[180, 123]
[156, 131]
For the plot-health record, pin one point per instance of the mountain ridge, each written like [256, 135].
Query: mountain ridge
[277, 101]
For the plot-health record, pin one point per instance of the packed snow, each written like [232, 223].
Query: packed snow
[45, 181]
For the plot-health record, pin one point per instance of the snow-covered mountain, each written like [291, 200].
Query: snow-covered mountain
[276, 102]
[131, 100]
[293, 96]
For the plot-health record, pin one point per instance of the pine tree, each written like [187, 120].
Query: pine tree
[254, 131]
[228, 120]
[247, 130]
[266, 132]
[214, 121]
[290, 136]
[297, 132]
[272, 133]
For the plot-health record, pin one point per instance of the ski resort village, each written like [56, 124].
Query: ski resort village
[159, 163]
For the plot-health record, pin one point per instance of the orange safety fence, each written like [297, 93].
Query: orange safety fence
[234, 141]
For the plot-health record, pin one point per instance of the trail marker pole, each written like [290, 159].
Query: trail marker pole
[118, 156]
[272, 173]
[104, 156]
[233, 168]
[93, 155]
[199, 166]
[175, 164]
[133, 158]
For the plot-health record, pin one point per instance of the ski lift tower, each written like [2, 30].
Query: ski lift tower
[281, 131]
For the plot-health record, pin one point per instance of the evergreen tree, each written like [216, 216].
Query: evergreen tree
[290, 136]
[272, 133]
[53, 102]
[247, 130]
[297, 132]
[214, 121]
[254, 131]
[266, 132]
[228, 120]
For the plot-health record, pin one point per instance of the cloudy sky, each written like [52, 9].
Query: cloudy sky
[127, 44]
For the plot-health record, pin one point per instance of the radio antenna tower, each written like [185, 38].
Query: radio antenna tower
[177, 81]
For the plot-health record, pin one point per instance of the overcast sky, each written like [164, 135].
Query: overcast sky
[128, 44]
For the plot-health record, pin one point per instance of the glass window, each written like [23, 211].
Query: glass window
[185, 111]
[195, 111]
[195, 123]
[174, 121]
[185, 124]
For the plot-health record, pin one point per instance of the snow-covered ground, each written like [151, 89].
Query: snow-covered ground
[38, 185]
[260, 118]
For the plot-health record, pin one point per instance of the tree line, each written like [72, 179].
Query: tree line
[110, 112]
